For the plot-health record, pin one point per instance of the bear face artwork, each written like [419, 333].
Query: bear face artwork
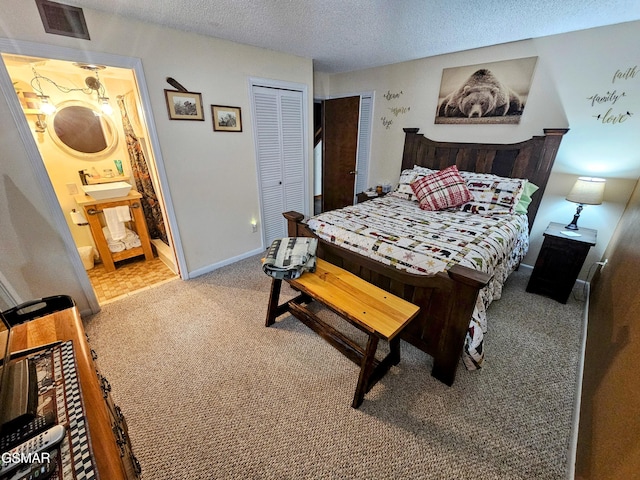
[481, 95]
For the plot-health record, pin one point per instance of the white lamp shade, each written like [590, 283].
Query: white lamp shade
[587, 191]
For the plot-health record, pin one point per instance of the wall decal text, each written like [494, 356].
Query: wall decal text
[395, 110]
[611, 97]
[399, 110]
[630, 72]
[392, 96]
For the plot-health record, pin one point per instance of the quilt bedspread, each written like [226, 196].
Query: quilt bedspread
[397, 232]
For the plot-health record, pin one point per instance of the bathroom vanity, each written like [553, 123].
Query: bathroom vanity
[92, 208]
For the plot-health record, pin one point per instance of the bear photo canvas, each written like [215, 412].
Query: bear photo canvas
[489, 93]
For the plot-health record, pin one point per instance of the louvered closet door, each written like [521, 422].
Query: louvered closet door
[280, 153]
[364, 142]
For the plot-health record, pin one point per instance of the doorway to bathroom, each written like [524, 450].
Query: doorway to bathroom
[121, 255]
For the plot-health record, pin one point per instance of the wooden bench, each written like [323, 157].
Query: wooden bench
[379, 314]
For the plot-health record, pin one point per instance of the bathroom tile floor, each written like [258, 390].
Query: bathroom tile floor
[131, 276]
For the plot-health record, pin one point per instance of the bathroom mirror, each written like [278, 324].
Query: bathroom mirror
[82, 130]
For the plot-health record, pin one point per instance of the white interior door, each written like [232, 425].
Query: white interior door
[279, 135]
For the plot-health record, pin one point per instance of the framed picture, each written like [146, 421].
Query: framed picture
[226, 119]
[490, 93]
[184, 105]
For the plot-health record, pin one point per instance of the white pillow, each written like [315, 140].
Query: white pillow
[403, 190]
[491, 193]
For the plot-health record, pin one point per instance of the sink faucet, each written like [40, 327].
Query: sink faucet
[83, 176]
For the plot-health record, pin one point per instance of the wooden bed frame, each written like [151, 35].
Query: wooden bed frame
[446, 299]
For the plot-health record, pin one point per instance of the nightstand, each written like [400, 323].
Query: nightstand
[363, 197]
[560, 261]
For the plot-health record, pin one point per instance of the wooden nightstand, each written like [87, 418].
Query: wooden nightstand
[560, 261]
[363, 197]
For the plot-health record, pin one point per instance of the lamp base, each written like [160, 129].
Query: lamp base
[574, 223]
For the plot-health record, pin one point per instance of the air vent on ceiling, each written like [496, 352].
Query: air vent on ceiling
[61, 19]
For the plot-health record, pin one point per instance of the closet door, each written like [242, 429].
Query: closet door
[279, 131]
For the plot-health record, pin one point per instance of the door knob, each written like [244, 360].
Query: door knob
[353, 172]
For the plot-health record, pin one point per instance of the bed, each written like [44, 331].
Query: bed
[449, 294]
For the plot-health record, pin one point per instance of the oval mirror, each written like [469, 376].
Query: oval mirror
[82, 130]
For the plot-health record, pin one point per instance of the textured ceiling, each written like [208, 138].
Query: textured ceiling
[347, 35]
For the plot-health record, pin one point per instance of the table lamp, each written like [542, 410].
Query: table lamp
[586, 191]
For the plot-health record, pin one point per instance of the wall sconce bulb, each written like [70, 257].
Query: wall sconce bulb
[105, 106]
[46, 107]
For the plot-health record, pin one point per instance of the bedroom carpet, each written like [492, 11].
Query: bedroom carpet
[209, 392]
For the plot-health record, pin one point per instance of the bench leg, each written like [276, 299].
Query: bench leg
[366, 368]
[274, 297]
[394, 350]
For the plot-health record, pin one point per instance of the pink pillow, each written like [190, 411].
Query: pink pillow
[440, 190]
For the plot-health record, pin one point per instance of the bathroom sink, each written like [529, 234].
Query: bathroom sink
[102, 191]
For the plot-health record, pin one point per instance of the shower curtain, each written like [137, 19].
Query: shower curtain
[140, 170]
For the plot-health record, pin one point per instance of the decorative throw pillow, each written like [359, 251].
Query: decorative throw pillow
[403, 190]
[491, 193]
[441, 190]
[525, 199]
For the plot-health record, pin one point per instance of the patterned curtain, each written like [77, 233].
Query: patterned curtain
[140, 170]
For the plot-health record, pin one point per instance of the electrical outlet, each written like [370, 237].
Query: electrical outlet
[72, 189]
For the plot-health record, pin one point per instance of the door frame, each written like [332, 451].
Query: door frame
[56, 215]
[297, 87]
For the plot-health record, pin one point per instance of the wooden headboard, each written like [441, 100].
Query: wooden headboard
[531, 159]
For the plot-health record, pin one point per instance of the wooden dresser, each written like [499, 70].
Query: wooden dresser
[108, 431]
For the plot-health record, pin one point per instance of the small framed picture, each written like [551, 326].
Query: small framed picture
[226, 119]
[184, 105]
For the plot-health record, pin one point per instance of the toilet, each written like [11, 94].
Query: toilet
[87, 255]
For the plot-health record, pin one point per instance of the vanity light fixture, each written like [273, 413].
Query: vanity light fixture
[93, 85]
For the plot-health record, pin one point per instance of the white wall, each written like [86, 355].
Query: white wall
[212, 175]
[570, 69]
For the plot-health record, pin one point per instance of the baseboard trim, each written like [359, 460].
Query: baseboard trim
[575, 423]
[223, 263]
[165, 254]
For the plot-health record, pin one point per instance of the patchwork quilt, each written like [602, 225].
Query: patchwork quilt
[397, 232]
